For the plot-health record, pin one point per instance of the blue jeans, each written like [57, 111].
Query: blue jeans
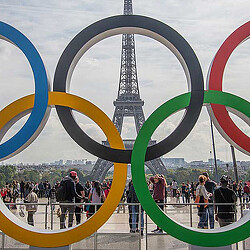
[202, 222]
[135, 217]
[210, 216]
[183, 198]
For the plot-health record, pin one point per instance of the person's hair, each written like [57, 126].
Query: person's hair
[205, 174]
[202, 178]
[97, 187]
[30, 189]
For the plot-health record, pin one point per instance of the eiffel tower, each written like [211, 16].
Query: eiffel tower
[128, 103]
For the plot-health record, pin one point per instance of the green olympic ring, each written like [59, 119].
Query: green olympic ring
[233, 233]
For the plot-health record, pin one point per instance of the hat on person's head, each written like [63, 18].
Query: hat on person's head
[73, 174]
[224, 179]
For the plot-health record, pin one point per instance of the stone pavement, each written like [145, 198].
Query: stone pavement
[115, 233]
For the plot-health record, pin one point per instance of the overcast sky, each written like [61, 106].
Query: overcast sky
[50, 25]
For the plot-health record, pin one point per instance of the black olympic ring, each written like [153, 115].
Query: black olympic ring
[140, 25]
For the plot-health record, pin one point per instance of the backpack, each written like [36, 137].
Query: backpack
[61, 192]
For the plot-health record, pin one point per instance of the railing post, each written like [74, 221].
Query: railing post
[95, 235]
[146, 226]
[241, 215]
[51, 216]
[139, 225]
[235, 217]
[241, 209]
[3, 240]
[46, 216]
[191, 215]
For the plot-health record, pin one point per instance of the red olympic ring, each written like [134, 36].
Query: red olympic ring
[222, 120]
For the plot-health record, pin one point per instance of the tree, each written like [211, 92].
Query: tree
[9, 172]
[30, 175]
[2, 180]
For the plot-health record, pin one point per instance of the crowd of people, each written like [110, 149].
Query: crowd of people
[206, 192]
[75, 198]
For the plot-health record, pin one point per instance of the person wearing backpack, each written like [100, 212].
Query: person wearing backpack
[224, 214]
[66, 193]
[31, 208]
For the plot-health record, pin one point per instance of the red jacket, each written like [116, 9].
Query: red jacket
[246, 190]
[159, 188]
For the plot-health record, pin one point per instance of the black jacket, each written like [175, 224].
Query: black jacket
[132, 195]
[70, 187]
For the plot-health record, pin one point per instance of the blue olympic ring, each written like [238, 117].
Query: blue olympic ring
[35, 122]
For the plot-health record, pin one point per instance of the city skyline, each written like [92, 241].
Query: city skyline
[174, 160]
[50, 25]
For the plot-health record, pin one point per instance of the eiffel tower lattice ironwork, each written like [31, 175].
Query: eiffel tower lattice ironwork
[128, 103]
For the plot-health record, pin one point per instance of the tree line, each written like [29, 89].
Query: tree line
[8, 173]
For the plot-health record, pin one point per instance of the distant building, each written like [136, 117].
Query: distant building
[218, 161]
[68, 163]
[174, 162]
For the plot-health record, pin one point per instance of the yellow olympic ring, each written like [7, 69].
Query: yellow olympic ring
[27, 234]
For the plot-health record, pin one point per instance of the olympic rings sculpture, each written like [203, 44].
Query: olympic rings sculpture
[40, 103]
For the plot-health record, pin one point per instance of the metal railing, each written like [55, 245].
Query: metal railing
[50, 222]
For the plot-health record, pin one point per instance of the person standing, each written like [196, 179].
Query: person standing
[202, 196]
[36, 189]
[183, 192]
[96, 195]
[240, 190]
[187, 193]
[15, 193]
[78, 209]
[52, 197]
[41, 190]
[129, 206]
[5, 196]
[18, 186]
[135, 211]
[177, 197]
[235, 186]
[210, 187]
[31, 208]
[47, 189]
[193, 188]
[3, 193]
[87, 188]
[22, 184]
[26, 189]
[69, 192]
[246, 193]
[104, 185]
[225, 214]
[159, 194]
[174, 187]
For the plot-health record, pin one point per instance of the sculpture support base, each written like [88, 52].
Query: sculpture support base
[54, 248]
[191, 247]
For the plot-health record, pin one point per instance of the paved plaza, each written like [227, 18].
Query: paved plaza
[115, 233]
